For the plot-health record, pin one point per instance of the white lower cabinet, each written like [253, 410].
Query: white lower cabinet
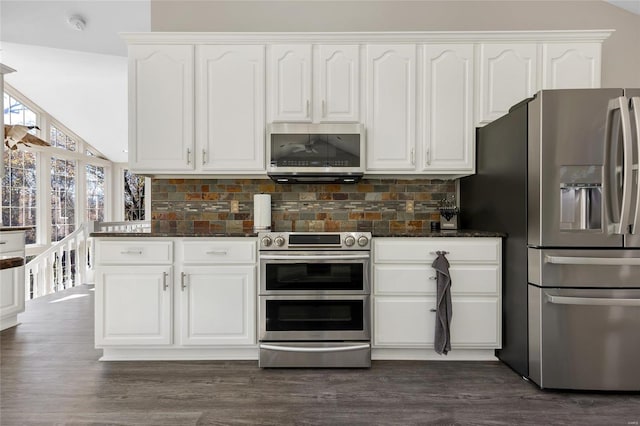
[133, 305]
[198, 304]
[404, 297]
[12, 292]
[217, 305]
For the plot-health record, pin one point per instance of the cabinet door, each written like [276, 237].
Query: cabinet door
[571, 65]
[11, 291]
[161, 108]
[475, 322]
[133, 306]
[230, 107]
[448, 108]
[403, 321]
[507, 76]
[337, 79]
[290, 69]
[391, 107]
[217, 306]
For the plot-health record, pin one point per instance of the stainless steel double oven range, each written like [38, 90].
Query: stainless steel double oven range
[314, 307]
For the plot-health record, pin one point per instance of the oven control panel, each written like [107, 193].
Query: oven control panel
[315, 240]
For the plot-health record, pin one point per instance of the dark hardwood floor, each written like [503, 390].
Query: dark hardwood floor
[50, 374]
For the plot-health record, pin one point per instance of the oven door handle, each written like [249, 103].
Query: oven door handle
[315, 257]
[321, 349]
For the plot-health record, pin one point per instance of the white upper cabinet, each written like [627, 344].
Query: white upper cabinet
[337, 81]
[290, 68]
[571, 65]
[507, 75]
[230, 107]
[161, 98]
[448, 128]
[391, 107]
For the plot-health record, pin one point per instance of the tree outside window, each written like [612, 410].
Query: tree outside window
[95, 193]
[134, 194]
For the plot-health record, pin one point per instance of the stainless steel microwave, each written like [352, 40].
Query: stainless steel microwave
[301, 152]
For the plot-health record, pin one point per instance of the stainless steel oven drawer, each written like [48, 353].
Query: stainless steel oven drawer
[315, 354]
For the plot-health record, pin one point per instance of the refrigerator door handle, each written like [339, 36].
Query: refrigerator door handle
[571, 260]
[591, 301]
[616, 209]
[634, 108]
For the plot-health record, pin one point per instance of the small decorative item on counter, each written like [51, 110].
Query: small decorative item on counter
[449, 213]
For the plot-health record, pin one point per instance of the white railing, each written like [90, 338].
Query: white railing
[68, 262]
[128, 226]
[61, 266]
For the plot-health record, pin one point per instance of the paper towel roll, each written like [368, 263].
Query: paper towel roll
[261, 212]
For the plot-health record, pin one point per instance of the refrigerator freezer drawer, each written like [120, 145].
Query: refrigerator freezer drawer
[584, 268]
[584, 339]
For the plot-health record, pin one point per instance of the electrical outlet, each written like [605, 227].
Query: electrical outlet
[409, 208]
[235, 206]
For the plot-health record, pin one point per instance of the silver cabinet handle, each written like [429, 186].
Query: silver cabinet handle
[218, 252]
[618, 211]
[413, 156]
[302, 349]
[591, 301]
[433, 310]
[307, 107]
[428, 156]
[578, 260]
[635, 109]
[188, 155]
[131, 252]
[324, 108]
[165, 285]
[433, 278]
[320, 257]
[204, 156]
[3, 242]
[182, 283]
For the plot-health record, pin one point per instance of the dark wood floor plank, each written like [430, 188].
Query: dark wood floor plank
[50, 374]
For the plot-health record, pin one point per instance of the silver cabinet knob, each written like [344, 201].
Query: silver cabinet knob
[279, 241]
[349, 241]
[266, 241]
[363, 241]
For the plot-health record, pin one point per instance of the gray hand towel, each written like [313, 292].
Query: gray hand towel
[442, 341]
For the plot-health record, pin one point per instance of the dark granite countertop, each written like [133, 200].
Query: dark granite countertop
[170, 234]
[15, 228]
[443, 233]
[11, 262]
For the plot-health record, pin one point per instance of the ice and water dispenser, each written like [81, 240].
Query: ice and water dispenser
[581, 198]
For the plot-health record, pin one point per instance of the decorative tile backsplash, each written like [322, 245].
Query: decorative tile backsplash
[210, 206]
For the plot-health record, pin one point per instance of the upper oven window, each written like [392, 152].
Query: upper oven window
[307, 276]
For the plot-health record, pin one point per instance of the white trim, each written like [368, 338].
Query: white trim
[365, 37]
[428, 354]
[180, 353]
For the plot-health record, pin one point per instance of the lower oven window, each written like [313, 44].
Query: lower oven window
[316, 315]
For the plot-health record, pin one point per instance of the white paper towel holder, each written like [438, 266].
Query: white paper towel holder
[265, 217]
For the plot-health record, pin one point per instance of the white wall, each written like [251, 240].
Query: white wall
[620, 57]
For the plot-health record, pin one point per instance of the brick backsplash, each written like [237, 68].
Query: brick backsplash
[204, 206]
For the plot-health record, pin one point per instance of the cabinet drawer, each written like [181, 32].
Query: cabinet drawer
[410, 322]
[11, 241]
[422, 250]
[420, 279]
[219, 251]
[133, 252]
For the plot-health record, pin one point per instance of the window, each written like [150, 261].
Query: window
[95, 193]
[61, 140]
[63, 196]
[134, 193]
[19, 184]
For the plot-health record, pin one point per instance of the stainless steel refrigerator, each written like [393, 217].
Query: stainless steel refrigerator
[560, 175]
